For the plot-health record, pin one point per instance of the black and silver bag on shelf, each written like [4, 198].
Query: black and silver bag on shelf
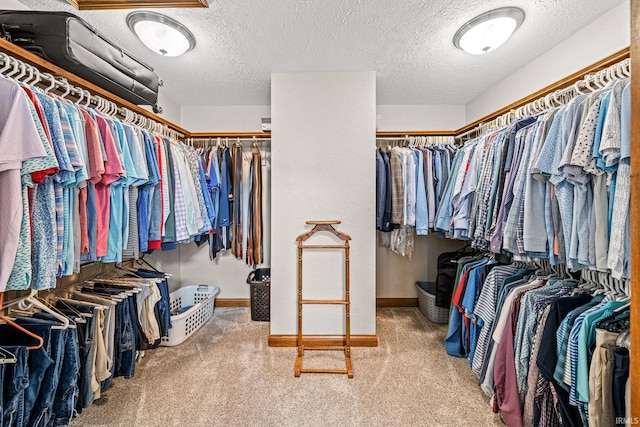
[70, 43]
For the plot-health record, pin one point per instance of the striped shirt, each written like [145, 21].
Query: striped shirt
[534, 371]
[180, 211]
[397, 188]
[562, 340]
[485, 311]
[532, 305]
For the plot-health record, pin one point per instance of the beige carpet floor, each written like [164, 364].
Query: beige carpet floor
[226, 375]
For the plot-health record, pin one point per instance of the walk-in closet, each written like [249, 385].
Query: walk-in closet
[460, 177]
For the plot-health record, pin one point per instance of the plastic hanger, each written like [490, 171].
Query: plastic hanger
[7, 357]
[20, 328]
[38, 77]
[14, 70]
[22, 73]
[98, 101]
[87, 102]
[28, 75]
[67, 90]
[6, 61]
[80, 97]
[52, 82]
[32, 301]
[116, 109]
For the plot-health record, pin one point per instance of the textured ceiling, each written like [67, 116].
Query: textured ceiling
[409, 44]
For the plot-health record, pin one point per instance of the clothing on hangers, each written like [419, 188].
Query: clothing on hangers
[96, 188]
[553, 186]
[96, 333]
[410, 183]
[542, 344]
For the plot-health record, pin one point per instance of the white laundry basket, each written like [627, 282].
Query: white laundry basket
[200, 299]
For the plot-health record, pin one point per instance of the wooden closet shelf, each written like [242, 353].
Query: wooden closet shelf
[46, 66]
[135, 4]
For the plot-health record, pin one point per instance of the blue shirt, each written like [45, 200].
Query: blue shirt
[381, 189]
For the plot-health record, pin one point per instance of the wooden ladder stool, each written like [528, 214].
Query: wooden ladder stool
[346, 347]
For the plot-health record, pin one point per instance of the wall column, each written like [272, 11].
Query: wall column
[323, 167]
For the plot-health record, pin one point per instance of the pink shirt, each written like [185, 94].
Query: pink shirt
[112, 171]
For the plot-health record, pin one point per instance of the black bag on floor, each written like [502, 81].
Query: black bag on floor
[70, 43]
[447, 270]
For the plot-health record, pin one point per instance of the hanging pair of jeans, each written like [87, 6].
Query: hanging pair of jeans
[14, 383]
[38, 360]
[126, 324]
[87, 343]
[41, 408]
[67, 392]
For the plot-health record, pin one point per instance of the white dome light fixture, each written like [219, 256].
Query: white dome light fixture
[488, 31]
[163, 35]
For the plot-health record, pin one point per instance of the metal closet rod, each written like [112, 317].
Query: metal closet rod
[20, 71]
[420, 139]
[227, 140]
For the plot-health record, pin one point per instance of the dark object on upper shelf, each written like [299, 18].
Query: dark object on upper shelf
[70, 43]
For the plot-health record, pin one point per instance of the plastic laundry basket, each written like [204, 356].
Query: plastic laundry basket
[427, 303]
[191, 307]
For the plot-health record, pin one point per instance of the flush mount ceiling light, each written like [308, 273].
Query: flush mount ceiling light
[163, 35]
[488, 31]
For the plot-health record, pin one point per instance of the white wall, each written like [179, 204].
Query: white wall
[323, 131]
[170, 109]
[604, 36]
[420, 117]
[12, 5]
[224, 119]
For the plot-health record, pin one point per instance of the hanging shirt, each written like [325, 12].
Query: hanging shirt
[464, 200]
[225, 188]
[386, 217]
[147, 191]
[66, 173]
[380, 189]
[214, 186]
[182, 231]
[397, 188]
[104, 202]
[429, 186]
[17, 119]
[422, 216]
[619, 249]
